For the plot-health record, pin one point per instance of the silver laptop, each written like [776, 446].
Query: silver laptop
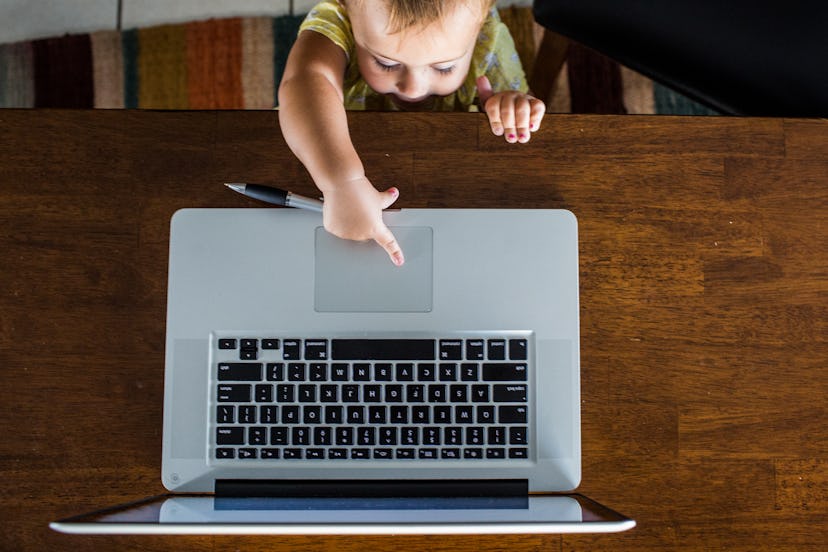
[313, 387]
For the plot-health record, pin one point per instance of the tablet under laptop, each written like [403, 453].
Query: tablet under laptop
[313, 387]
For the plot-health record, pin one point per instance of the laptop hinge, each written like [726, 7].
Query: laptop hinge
[372, 488]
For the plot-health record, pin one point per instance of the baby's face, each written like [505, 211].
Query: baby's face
[415, 63]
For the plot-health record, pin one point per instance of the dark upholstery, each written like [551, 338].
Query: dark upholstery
[740, 57]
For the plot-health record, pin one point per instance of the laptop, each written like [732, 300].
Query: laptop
[312, 387]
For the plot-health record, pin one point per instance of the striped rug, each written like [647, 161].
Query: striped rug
[237, 63]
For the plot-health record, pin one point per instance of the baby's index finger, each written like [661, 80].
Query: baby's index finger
[385, 238]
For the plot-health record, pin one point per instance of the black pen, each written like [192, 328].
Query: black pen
[276, 196]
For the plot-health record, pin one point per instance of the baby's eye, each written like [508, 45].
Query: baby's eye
[386, 66]
[445, 70]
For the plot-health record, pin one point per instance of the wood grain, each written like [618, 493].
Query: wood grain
[704, 300]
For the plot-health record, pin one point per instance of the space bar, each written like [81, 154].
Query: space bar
[383, 349]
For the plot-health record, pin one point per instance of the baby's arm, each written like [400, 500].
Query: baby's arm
[314, 124]
[513, 115]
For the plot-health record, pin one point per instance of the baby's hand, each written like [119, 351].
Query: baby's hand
[353, 211]
[512, 114]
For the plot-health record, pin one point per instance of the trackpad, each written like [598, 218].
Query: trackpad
[360, 277]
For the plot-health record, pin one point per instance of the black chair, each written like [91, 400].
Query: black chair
[739, 57]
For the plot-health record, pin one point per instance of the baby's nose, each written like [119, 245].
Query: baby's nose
[412, 84]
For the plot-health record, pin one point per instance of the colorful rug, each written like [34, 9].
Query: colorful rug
[237, 63]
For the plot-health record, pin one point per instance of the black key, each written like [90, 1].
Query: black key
[451, 349]
[292, 454]
[420, 415]
[333, 415]
[504, 372]
[296, 371]
[405, 454]
[247, 414]
[247, 453]
[442, 414]
[300, 436]
[257, 436]
[339, 372]
[459, 393]
[495, 453]
[431, 436]
[383, 454]
[383, 372]
[350, 393]
[329, 393]
[509, 393]
[264, 392]
[366, 435]
[271, 453]
[234, 393]
[240, 371]
[480, 393]
[388, 436]
[290, 414]
[463, 414]
[285, 392]
[497, 435]
[230, 436]
[270, 344]
[448, 372]
[362, 372]
[322, 436]
[225, 453]
[453, 436]
[393, 393]
[428, 454]
[474, 436]
[226, 414]
[517, 436]
[361, 454]
[356, 414]
[450, 454]
[469, 371]
[292, 349]
[372, 393]
[269, 414]
[227, 344]
[316, 349]
[410, 436]
[383, 349]
[425, 372]
[486, 414]
[474, 349]
[315, 454]
[250, 344]
[318, 372]
[278, 436]
[399, 415]
[377, 414]
[518, 453]
[472, 453]
[511, 414]
[307, 393]
[436, 393]
[275, 371]
[344, 436]
[405, 372]
[517, 349]
[337, 454]
[497, 349]
[415, 393]
[312, 415]
[248, 354]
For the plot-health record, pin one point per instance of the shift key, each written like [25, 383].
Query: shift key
[504, 371]
[509, 393]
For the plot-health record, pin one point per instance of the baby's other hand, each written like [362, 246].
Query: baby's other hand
[513, 115]
[353, 211]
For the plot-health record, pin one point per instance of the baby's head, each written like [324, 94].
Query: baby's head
[415, 49]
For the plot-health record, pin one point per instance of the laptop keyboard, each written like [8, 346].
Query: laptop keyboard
[463, 396]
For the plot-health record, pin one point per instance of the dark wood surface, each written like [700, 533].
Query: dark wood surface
[704, 308]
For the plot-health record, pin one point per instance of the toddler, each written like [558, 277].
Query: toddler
[399, 55]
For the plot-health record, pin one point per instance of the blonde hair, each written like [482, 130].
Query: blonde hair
[404, 14]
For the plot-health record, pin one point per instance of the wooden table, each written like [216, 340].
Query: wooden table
[704, 308]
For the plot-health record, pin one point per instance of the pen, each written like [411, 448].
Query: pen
[276, 196]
